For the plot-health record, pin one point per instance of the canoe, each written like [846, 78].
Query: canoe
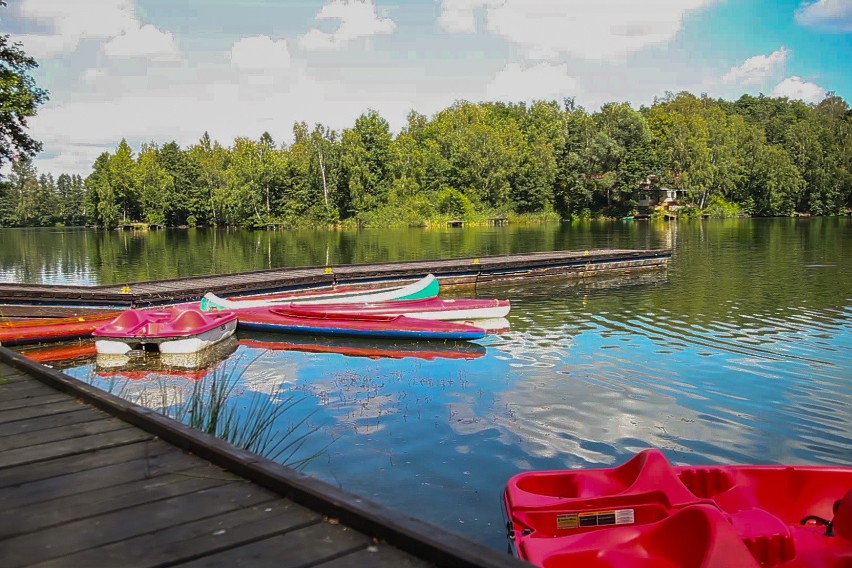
[425, 308]
[649, 513]
[172, 331]
[372, 349]
[28, 331]
[426, 287]
[306, 322]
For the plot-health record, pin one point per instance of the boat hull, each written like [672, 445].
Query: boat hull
[31, 331]
[302, 322]
[648, 513]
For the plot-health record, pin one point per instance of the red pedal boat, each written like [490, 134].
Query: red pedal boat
[649, 513]
[172, 330]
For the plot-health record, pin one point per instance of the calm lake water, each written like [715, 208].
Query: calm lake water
[739, 352]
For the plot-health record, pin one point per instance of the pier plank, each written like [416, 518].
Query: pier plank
[309, 546]
[147, 450]
[194, 540]
[72, 446]
[19, 427]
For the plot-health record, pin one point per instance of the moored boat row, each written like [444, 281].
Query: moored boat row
[413, 311]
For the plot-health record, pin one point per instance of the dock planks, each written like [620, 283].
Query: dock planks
[23, 300]
[87, 479]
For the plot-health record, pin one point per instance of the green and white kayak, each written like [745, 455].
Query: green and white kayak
[426, 287]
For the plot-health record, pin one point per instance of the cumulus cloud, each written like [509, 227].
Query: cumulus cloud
[835, 15]
[795, 88]
[112, 21]
[358, 19]
[591, 29]
[146, 41]
[259, 53]
[541, 81]
[755, 69]
[66, 23]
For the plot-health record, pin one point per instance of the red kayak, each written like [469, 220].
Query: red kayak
[649, 513]
[26, 331]
[424, 308]
[320, 322]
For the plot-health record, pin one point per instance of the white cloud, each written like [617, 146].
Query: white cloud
[459, 16]
[358, 19]
[795, 88]
[833, 15]
[755, 69]
[146, 41]
[591, 29]
[68, 22]
[541, 81]
[259, 53]
[93, 74]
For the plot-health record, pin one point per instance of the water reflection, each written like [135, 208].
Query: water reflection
[739, 352]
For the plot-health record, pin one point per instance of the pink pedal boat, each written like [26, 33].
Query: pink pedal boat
[172, 330]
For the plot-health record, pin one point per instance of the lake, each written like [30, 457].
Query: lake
[739, 352]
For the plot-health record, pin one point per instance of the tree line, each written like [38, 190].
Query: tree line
[759, 156]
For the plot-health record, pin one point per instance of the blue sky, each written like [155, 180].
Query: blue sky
[163, 70]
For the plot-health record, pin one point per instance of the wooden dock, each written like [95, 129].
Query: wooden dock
[88, 479]
[28, 300]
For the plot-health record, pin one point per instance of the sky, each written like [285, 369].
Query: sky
[156, 71]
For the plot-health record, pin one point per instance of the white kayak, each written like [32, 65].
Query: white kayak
[426, 287]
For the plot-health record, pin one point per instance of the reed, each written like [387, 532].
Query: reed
[218, 405]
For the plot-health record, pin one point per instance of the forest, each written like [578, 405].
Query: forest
[757, 156]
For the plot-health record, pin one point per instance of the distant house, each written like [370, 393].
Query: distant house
[649, 194]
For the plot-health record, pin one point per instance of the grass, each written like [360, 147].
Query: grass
[255, 421]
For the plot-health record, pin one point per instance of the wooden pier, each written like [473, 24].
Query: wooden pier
[88, 479]
[30, 300]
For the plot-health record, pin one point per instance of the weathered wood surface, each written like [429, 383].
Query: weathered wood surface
[88, 479]
[23, 300]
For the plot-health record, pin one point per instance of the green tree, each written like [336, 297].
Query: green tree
[19, 100]
[211, 160]
[156, 187]
[23, 192]
[365, 163]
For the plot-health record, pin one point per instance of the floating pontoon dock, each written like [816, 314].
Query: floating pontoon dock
[30, 300]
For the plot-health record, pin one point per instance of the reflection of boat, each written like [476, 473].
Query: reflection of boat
[426, 287]
[317, 322]
[648, 513]
[60, 352]
[374, 349]
[174, 330]
[142, 362]
[23, 332]
[424, 308]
